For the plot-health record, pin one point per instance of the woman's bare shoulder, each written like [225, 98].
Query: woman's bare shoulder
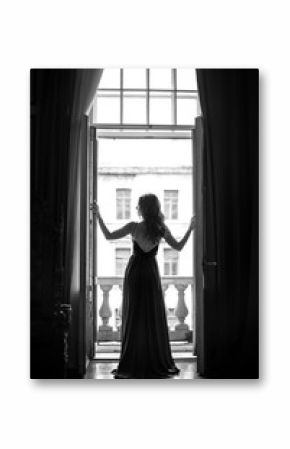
[166, 230]
[140, 229]
[134, 226]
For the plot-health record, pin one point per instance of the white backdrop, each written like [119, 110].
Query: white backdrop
[205, 414]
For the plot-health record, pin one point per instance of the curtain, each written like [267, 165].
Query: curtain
[51, 100]
[59, 100]
[86, 83]
[229, 104]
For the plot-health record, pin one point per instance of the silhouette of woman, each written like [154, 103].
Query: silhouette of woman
[145, 349]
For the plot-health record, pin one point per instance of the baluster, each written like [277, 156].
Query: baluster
[164, 288]
[105, 314]
[168, 315]
[181, 310]
[120, 309]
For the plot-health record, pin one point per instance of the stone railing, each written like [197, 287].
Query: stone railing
[174, 287]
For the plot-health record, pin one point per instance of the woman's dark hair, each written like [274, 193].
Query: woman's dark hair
[150, 209]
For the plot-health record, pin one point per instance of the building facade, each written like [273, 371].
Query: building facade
[119, 189]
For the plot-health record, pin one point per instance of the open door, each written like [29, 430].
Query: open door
[85, 348]
[199, 240]
[91, 315]
[89, 306]
[94, 322]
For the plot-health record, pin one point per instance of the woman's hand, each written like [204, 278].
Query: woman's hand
[192, 223]
[95, 208]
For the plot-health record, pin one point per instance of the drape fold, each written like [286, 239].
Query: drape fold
[229, 104]
[86, 83]
[59, 100]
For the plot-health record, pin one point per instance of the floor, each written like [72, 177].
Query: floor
[101, 369]
[107, 349]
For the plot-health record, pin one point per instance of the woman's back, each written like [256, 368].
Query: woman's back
[139, 235]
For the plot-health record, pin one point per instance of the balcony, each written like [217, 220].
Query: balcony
[178, 294]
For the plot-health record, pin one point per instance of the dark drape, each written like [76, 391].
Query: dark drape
[59, 98]
[75, 258]
[229, 104]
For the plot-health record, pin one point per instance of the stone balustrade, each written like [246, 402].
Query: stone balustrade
[109, 329]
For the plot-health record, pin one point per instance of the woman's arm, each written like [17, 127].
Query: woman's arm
[173, 242]
[118, 233]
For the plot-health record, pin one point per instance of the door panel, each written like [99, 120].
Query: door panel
[89, 249]
[94, 237]
[199, 240]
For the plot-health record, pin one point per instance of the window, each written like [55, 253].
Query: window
[122, 257]
[123, 203]
[171, 204]
[170, 262]
[147, 97]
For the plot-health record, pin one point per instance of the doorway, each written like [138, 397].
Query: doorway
[123, 184]
[106, 290]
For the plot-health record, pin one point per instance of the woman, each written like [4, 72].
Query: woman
[145, 349]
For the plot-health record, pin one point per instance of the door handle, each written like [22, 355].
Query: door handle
[209, 263]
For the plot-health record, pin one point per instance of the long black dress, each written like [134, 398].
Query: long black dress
[145, 350]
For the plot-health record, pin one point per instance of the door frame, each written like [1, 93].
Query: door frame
[199, 241]
[140, 131]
